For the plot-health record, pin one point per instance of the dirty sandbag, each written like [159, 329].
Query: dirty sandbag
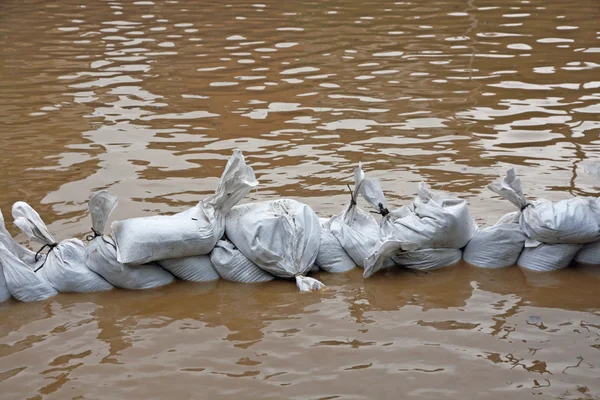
[233, 266]
[497, 246]
[589, 254]
[101, 252]
[428, 259]
[548, 257]
[281, 237]
[356, 230]
[64, 267]
[332, 257]
[190, 233]
[193, 268]
[575, 220]
[22, 283]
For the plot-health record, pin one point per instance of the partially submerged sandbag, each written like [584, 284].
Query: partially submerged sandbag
[548, 257]
[233, 266]
[496, 246]
[589, 254]
[64, 267]
[281, 237]
[433, 220]
[23, 253]
[575, 220]
[20, 280]
[192, 268]
[190, 233]
[101, 252]
[332, 257]
[428, 259]
[356, 230]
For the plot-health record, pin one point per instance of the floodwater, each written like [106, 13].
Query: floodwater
[149, 98]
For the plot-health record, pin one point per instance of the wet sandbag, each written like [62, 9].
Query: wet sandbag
[428, 259]
[101, 252]
[20, 280]
[190, 233]
[193, 268]
[281, 237]
[332, 257]
[496, 246]
[548, 257]
[23, 253]
[589, 254]
[575, 220]
[233, 266]
[355, 229]
[64, 267]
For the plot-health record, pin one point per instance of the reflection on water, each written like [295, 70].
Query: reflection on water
[148, 98]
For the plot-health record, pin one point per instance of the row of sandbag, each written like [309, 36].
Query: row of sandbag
[281, 238]
[541, 236]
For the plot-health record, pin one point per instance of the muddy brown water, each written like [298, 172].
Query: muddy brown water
[148, 99]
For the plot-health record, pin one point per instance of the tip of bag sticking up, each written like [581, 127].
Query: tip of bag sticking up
[306, 284]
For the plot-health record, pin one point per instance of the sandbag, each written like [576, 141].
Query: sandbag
[64, 268]
[101, 252]
[332, 257]
[20, 280]
[575, 220]
[548, 257]
[497, 246]
[356, 230]
[190, 233]
[192, 268]
[233, 266]
[23, 253]
[281, 237]
[589, 254]
[428, 259]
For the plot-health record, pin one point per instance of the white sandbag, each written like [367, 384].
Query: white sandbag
[497, 246]
[193, 268]
[4, 292]
[548, 257]
[434, 219]
[428, 259]
[190, 233]
[589, 254]
[22, 283]
[23, 253]
[332, 257]
[64, 267]
[101, 252]
[233, 266]
[356, 230]
[383, 253]
[281, 237]
[576, 220]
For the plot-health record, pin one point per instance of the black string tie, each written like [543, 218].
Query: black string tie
[96, 234]
[37, 257]
[525, 206]
[382, 210]
[352, 199]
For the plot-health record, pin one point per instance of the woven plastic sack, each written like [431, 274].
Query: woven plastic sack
[589, 254]
[190, 233]
[332, 257]
[101, 252]
[281, 237]
[233, 266]
[64, 267]
[548, 257]
[193, 268]
[428, 259]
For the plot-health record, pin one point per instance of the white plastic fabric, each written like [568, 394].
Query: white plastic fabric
[190, 233]
[332, 257]
[356, 230]
[20, 280]
[64, 267]
[101, 252]
[548, 257]
[4, 292]
[194, 268]
[589, 254]
[428, 259]
[576, 220]
[281, 237]
[382, 256]
[23, 253]
[233, 266]
[497, 246]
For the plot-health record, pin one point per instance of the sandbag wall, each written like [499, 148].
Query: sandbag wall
[285, 239]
